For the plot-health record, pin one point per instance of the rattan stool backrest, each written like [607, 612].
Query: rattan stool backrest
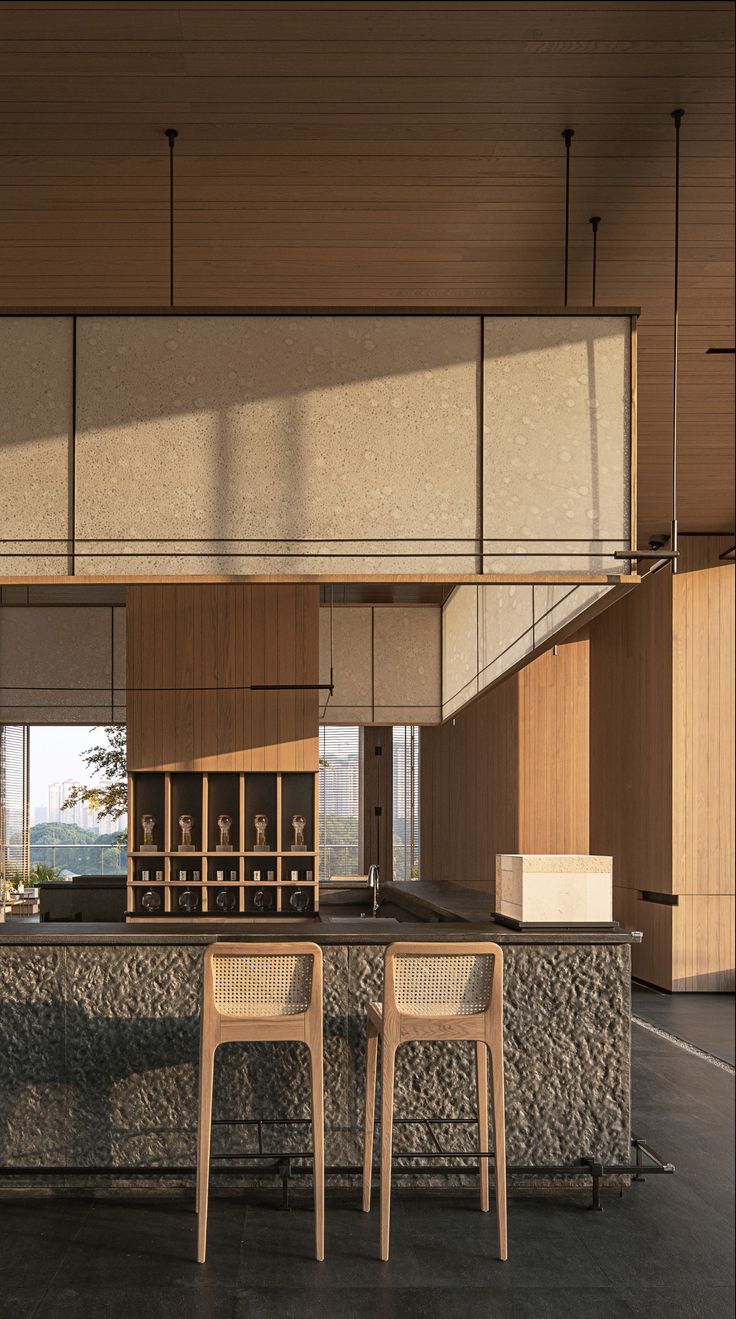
[269, 980]
[441, 980]
[443, 986]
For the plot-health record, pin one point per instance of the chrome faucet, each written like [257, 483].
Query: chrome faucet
[374, 882]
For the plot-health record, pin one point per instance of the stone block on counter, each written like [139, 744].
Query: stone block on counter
[552, 889]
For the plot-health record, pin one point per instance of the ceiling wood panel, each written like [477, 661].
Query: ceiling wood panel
[361, 154]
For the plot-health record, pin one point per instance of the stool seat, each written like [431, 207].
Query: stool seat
[438, 992]
[268, 991]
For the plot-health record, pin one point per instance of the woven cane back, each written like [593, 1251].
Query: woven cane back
[444, 986]
[253, 986]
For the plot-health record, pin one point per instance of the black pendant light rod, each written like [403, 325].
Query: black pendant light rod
[677, 115]
[171, 134]
[594, 222]
[568, 134]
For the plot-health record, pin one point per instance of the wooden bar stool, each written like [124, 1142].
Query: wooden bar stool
[265, 991]
[438, 991]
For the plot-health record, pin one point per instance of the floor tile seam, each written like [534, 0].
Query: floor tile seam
[685, 1045]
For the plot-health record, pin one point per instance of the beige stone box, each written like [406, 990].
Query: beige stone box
[554, 890]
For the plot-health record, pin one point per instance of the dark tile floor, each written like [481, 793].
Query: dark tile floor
[705, 1020]
[663, 1251]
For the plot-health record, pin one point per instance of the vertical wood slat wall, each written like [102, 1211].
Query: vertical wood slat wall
[194, 652]
[509, 772]
[662, 796]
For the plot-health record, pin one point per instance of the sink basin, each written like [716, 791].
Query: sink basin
[365, 920]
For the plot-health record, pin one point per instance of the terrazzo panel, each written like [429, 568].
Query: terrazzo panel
[62, 665]
[556, 424]
[487, 630]
[386, 663]
[276, 444]
[98, 1059]
[35, 430]
[407, 663]
[460, 649]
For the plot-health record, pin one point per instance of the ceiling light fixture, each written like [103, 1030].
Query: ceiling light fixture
[594, 222]
[171, 134]
[568, 134]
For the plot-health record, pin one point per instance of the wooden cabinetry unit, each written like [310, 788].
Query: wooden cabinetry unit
[662, 766]
[200, 878]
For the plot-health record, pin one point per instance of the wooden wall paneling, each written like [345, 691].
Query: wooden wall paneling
[184, 672]
[703, 943]
[207, 625]
[631, 736]
[554, 750]
[188, 652]
[469, 783]
[271, 674]
[310, 700]
[257, 755]
[703, 715]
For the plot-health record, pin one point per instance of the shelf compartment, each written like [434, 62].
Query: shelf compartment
[149, 900]
[261, 900]
[223, 798]
[297, 899]
[148, 797]
[187, 792]
[297, 798]
[265, 866]
[223, 899]
[186, 900]
[261, 798]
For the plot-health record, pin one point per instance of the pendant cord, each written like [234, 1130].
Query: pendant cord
[677, 115]
[594, 222]
[568, 134]
[172, 135]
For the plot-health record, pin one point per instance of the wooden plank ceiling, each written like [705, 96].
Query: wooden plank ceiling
[363, 154]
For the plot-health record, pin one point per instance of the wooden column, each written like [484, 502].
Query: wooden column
[215, 677]
[377, 780]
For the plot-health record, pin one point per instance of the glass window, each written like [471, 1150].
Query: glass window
[339, 800]
[69, 841]
[406, 802]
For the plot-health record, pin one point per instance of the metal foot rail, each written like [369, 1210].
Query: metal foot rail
[282, 1163]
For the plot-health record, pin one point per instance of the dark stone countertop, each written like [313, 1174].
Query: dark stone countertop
[444, 911]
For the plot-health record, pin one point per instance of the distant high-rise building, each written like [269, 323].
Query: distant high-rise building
[40, 814]
[340, 786]
[81, 814]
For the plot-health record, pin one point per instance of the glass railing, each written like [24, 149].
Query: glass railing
[65, 860]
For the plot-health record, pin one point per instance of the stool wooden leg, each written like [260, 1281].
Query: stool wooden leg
[388, 1052]
[204, 1136]
[499, 1147]
[371, 1067]
[481, 1080]
[318, 1144]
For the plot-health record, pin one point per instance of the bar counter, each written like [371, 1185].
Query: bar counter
[99, 1040]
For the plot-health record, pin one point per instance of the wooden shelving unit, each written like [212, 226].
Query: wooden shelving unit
[171, 884]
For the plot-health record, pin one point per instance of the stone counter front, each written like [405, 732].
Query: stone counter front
[99, 1044]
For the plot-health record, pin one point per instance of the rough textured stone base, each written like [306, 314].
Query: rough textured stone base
[98, 1060]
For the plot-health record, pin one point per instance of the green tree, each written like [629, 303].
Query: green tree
[60, 846]
[110, 761]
